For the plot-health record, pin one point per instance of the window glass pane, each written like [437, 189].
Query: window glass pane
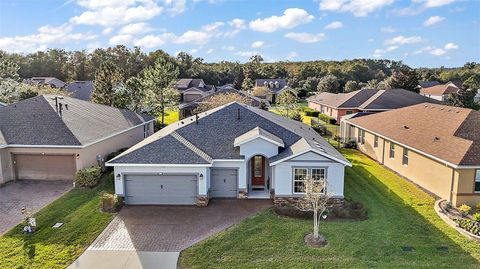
[477, 177]
[318, 173]
[258, 166]
[299, 176]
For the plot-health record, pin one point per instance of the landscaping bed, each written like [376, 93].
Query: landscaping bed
[350, 211]
[58, 248]
[460, 218]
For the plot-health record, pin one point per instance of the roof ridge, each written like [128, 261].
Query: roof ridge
[372, 98]
[191, 146]
[345, 93]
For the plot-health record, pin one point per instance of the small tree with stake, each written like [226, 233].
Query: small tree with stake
[315, 199]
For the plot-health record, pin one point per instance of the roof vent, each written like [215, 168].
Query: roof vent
[406, 127]
[196, 118]
[238, 113]
[436, 138]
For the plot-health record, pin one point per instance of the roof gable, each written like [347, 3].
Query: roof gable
[255, 133]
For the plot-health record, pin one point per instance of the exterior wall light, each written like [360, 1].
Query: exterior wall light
[200, 176]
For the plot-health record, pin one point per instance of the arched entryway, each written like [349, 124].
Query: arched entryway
[259, 173]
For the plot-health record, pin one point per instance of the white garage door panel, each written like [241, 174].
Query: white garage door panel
[160, 189]
[223, 183]
[44, 167]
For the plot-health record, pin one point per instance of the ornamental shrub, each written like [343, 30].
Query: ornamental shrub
[477, 207]
[464, 209]
[110, 202]
[476, 217]
[469, 225]
[88, 177]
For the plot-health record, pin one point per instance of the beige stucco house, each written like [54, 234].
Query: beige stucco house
[435, 146]
[49, 138]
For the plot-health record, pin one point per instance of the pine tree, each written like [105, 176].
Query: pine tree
[107, 78]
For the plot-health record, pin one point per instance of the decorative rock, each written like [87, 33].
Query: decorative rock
[202, 200]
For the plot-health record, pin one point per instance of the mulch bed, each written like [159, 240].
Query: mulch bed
[351, 211]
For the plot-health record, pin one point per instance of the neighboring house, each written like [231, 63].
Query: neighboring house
[337, 105]
[188, 109]
[440, 92]
[477, 97]
[42, 139]
[51, 81]
[232, 151]
[81, 89]
[435, 146]
[276, 87]
[427, 84]
[192, 89]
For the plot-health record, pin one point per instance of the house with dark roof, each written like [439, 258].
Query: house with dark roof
[275, 86]
[50, 81]
[232, 151]
[51, 137]
[435, 146]
[427, 84]
[188, 109]
[191, 89]
[337, 105]
[81, 89]
[441, 92]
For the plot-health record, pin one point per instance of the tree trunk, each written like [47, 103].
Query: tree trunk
[315, 223]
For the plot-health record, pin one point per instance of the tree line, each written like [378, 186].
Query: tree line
[131, 78]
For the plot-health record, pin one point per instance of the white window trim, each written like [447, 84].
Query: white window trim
[392, 149]
[476, 179]
[309, 173]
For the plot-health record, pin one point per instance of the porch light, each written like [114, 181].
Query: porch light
[118, 176]
[200, 176]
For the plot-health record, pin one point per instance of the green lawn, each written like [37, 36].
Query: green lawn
[400, 215]
[57, 248]
[171, 116]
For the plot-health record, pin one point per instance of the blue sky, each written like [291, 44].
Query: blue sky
[430, 33]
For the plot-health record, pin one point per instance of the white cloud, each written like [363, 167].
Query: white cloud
[433, 20]
[434, 3]
[334, 25]
[388, 29]
[120, 40]
[151, 41]
[437, 52]
[292, 17]
[135, 29]
[196, 37]
[237, 25]
[175, 7]
[213, 26]
[292, 55]
[403, 40]
[209, 51]
[116, 12]
[451, 46]
[229, 48]
[257, 44]
[305, 37]
[359, 8]
[380, 52]
[46, 37]
[246, 53]
[107, 31]
[192, 51]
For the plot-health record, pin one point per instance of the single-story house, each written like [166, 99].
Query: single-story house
[188, 109]
[81, 89]
[232, 151]
[435, 146]
[428, 84]
[192, 89]
[51, 81]
[49, 137]
[276, 87]
[440, 92]
[337, 105]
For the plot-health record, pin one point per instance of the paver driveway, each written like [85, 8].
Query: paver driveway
[173, 228]
[32, 194]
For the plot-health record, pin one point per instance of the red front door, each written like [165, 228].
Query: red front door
[258, 171]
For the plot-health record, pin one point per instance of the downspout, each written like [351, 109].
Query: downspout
[451, 186]
[383, 153]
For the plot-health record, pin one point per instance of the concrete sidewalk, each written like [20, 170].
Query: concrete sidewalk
[131, 259]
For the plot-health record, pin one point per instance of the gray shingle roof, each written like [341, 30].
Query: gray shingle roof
[35, 122]
[215, 133]
[81, 89]
[255, 100]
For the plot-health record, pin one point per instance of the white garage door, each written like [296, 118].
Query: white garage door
[44, 167]
[223, 183]
[160, 189]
